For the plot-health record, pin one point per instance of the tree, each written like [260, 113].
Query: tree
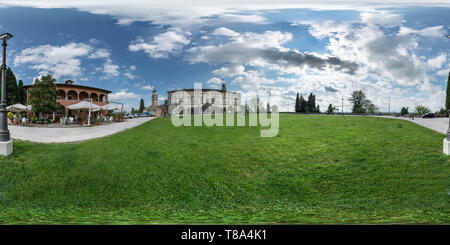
[21, 93]
[311, 104]
[268, 107]
[447, 99]
[371, 108]
[330, 109]
[421, 109]
[361, 104]
[11, 87]
[141, 106]
[404, 111]
[303, 104]
[297, 104]
[443, 111]
[318, 108]
[43, 95]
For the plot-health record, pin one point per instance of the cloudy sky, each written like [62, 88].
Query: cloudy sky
[279, 47]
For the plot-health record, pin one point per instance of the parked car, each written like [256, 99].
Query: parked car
[135, 115]
[127, 116]
[428, 115]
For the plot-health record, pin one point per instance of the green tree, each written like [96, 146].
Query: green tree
[21, 93]
[330, 109]
[311, 103]
[43, 95]
[11, 87]
[369, 107]
[359, 101]
[421, 109]
[297, 104]
[404, 111]
[447, 99]
[141, 106]
[443, 111]
[303, 104]
[318, 108]
[268, 107]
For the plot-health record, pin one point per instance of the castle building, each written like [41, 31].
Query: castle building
[155, 109]
[220, 99]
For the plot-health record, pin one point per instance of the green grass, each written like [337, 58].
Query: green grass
[319, 169]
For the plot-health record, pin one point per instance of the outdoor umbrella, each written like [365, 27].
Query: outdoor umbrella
[111, 107]
[16, 108]
[85, 105]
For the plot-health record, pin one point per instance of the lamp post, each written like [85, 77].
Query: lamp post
[447, 139]
[6, 145]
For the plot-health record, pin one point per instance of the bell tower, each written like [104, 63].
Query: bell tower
[154, 98]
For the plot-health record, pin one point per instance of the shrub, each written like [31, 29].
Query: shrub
[421, 109]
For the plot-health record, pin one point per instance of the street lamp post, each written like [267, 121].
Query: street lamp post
[447, 139]
[6, 145]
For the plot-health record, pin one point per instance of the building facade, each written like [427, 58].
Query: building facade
[154, 109]
[69, 94]
[211, 100]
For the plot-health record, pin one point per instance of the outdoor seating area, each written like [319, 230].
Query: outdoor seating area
[83, 113]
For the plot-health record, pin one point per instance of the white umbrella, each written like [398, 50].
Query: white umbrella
[85, 105]
[111, 107]
[16, 108]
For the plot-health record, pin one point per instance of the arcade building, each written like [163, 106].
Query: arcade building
[69, 94]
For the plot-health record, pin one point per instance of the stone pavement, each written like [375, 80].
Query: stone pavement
[65, 135]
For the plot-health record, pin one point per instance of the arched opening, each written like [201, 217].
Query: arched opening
[60, 94]
[230, 110]
[84, 96]
[72, 95]
[102, 98]
[94, 97]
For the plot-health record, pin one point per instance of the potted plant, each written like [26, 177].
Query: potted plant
[119, 117]
[33, 118]
[10, 117]
[96, 122]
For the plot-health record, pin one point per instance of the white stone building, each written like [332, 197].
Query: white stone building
[205, 100]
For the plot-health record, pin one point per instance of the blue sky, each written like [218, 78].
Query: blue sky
[397, 51]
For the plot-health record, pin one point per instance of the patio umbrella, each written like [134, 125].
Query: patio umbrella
[111, 107]
[16, 108]
[85, 105]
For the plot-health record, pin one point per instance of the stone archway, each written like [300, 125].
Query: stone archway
[84, 95]
[72, 95]
[94, 97]
[60, 94]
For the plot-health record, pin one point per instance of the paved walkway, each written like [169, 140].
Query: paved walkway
[437, 124]
[65, 135]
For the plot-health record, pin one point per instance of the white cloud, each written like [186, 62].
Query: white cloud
[99, 53]
[193, 12]
[381, 55]
[432, 31]
[59, 61]
[265, 50]
[162, 45]
[382, 18]
[438, 61]
[123, 94]
[65, 61]
[110, 69]
[230, 70]
[148, 87]
[225, 32]
[214, 82]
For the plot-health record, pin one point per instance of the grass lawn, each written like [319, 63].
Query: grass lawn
[319, 169]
